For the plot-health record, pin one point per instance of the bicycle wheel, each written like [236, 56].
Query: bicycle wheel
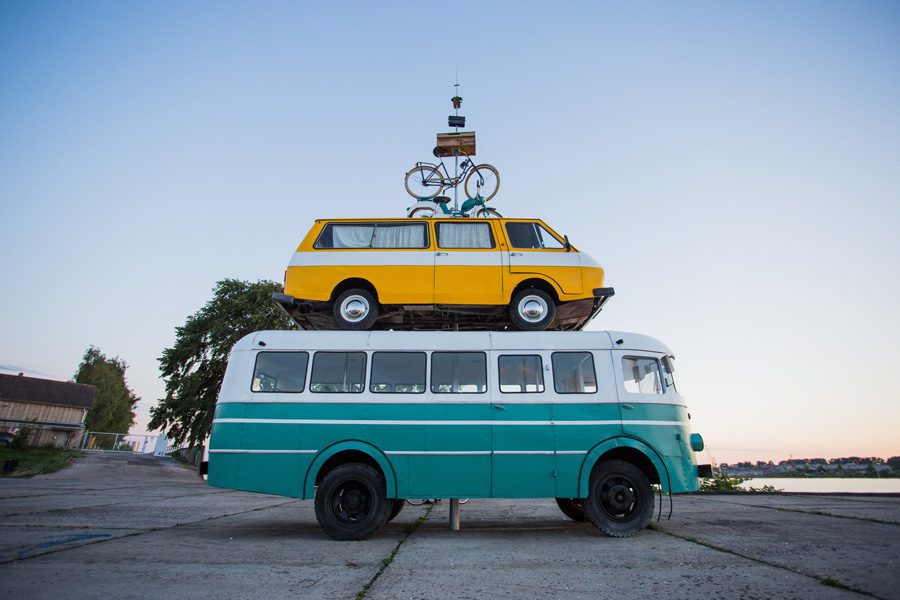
[485, 180]
[421, 212]
[424, 182]
[488, 213]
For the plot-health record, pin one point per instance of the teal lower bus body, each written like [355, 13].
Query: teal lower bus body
[459, 450]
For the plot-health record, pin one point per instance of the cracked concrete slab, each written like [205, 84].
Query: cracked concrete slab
[164, 531]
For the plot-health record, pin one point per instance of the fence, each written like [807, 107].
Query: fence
[118, 442]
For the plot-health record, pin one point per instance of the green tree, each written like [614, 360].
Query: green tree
[113, 409]
[194, 367]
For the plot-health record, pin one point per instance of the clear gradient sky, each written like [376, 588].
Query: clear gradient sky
[734, 166]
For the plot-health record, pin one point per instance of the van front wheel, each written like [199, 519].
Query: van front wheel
[620, 501]
[351, 503]
[355, 309]
[532, 310]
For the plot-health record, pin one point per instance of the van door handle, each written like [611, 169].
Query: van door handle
[515, 254]
[499, 407]
[440, 254]
[628, 406]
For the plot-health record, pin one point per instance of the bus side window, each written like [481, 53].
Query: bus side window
[336, 372]
[641, 375]
[521, 374]
[573, 373]
[458, 372]
[280, 372]
[398, 373]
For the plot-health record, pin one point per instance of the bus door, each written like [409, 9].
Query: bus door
[468, 267]
[523, 449]
[585, 411]
[646, 406]
[456, 462]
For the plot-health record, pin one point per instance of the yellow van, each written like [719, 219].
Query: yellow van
[440, 274]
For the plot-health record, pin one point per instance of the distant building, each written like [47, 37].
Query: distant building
[56, 409]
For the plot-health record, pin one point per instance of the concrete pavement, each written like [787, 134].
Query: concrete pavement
[136, 527]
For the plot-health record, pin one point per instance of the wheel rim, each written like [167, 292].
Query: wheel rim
[351, 502]
[354, 308]
[533, 308]
[618, 498]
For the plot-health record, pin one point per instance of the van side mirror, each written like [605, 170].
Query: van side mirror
[568, 245]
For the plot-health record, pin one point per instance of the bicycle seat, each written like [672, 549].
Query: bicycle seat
[441, 199]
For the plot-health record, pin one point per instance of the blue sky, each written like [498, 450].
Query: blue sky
[733, 166]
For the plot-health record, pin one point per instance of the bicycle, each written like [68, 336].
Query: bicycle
[425, 180]
[472, 206]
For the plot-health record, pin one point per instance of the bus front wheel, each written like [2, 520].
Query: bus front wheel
[620, 501]
[351, 503]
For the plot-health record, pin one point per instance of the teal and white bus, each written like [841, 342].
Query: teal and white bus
[360, 421]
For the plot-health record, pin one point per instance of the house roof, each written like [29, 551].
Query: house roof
[19, 388]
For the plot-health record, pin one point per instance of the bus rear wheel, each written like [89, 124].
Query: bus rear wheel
[573, 508]
[620, 501]
[351, 503]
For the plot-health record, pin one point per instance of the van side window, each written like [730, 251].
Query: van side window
[338, 372]
[521, 374]
[373, 235]
[531, 235]
[458, 372]
[464, 235]
[398, 373]
[573, 373]
[280, 372]
[641, 375]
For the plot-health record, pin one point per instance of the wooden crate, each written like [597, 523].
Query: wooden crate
[455, 144]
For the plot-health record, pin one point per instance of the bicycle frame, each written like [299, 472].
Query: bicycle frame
[467, 207]
[446, 180]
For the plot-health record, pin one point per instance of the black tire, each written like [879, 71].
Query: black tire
[351, 503]
[532, 309]
[396, 507]
[424, 182]
[355, 309]
[485, 180]
[488, 213]
[620, 501]
[573, 508]
[422, 212]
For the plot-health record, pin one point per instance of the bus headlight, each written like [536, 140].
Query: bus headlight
[696, 442]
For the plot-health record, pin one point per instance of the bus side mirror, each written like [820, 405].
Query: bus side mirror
[568, 245]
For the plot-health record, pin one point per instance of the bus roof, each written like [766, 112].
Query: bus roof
[449, 340]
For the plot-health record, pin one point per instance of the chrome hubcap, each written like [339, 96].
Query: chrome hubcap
[354, 308]
[532, 308]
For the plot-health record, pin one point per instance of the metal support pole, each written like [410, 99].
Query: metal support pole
[456, 176]
[454, 514]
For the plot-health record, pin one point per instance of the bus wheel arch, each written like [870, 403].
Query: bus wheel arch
[629, 450]
[345, 453]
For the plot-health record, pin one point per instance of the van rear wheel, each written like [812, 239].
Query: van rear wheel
[532, 309]
[351, 503]
[355, 309]
[620, 501]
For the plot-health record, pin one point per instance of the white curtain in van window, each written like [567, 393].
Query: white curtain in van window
[464, 235]
[352, 236]
[399, 236]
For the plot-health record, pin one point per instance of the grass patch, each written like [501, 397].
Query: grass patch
[36, 461]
